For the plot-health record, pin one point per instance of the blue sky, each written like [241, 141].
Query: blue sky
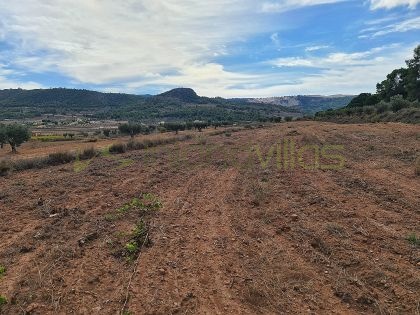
[229, 48]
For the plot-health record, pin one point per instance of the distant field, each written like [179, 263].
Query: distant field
[42, 145]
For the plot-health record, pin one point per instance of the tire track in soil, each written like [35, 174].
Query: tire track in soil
[198, 213]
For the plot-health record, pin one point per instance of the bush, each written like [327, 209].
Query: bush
[382, 107]
[88, 153]
[2, 270]
[417, 167]
[5, 167]
[118, 148]
[398, 103]
[21, 165]
[288, 118]
[60, 158]
[107, 132]
[136, 145]
[369, 110]
[3, 301]
[413, 240]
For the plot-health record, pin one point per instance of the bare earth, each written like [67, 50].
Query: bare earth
[232, 237]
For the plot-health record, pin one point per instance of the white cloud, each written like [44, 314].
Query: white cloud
[133, 44]
[284, 5]
[380, 28]
[389, 4]
[7, 83]
[102, 42]
[347, 73]
[338, 59]
[404, 26]
[107, 42]
[275, 39]
[314, 48]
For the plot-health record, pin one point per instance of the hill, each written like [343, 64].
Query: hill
[177, 104]
[308, 104]
[182, 94]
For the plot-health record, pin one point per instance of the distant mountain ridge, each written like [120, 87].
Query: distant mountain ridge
[308, 104]
[180, 104]
[176, 104]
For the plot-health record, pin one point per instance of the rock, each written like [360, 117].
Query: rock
[162, 271]
[33, 307]
[294, 217]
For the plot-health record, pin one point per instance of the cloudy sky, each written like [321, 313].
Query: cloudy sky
[229, 48]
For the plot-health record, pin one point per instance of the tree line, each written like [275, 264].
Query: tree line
[397, 98]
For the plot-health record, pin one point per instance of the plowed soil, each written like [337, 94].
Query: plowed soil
[233, 235]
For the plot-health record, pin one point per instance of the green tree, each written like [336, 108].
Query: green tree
[16, 135]
[107, 132]
[3, 136]
[394, 84]
[174, 126]
[364, 99]
[413, 76]
[132, 129]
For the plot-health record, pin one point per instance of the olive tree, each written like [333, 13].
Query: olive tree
[16, 135]
[174, 126]
[132, 129]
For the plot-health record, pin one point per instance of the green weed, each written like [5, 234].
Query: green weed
[413, 240]
[3, 301]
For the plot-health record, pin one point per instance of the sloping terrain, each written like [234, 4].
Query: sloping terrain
[180, 104]
[231, 236]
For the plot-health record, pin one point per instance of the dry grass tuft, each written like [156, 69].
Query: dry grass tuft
[417, 167]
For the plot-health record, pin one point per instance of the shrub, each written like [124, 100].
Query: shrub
[417, 167]
[5, 167]
[288, 118]
[107, 132]
[382, 107]
[369, 110]
[136, 145]
[88, 153]
[21, 165]
[132, 247]
[413, 240]
[2, 270]
[60, 158]
[3, 301]
[118, 148]
[398, 103]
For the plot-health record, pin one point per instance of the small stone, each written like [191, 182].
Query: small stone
[294, 217]
[32, 307]
[162, 271]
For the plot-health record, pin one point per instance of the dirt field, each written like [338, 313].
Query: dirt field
[233, 235]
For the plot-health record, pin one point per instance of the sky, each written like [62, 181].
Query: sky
[227, 48]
